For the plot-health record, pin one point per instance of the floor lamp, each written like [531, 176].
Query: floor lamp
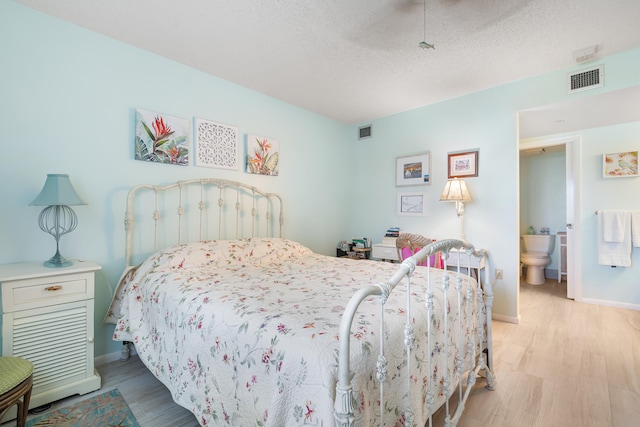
[456, 191]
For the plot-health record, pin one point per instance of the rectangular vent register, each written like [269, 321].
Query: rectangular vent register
[48, 318]
[586, 79]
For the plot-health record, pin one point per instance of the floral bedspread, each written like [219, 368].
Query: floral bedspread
[245, 332]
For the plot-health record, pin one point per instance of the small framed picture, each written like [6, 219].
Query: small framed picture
[413, 170]
[620, 165]
[412, 204]
[263, 155]
[463, 165]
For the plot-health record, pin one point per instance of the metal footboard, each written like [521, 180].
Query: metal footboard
[478, 361]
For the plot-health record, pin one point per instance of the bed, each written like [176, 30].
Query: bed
[248, 328]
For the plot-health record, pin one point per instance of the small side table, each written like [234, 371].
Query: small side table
[385, 252]
[472, 262]
[362, 253]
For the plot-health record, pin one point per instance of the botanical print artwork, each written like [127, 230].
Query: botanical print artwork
[161, 138]
[616, 165]
[216, 145]
[262, 155]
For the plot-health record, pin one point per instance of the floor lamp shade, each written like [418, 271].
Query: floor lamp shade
[57, 218]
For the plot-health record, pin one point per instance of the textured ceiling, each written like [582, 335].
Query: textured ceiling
[357, 60]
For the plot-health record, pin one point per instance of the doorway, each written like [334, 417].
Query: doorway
[571, 147]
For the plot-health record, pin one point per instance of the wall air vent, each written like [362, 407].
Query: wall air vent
[364, 132]
[586, 79]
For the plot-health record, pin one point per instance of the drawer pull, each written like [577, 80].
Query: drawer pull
[53, 288]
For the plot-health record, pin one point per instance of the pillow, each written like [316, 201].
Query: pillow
[255, 251]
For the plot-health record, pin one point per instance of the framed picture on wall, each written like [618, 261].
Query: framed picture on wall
[413, 170]
[412, 204]
[263, 155]
[620, 165]
[161, 138]
[463, 165]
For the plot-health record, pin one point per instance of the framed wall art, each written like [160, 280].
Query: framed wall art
[412, 204]
[413, 170]
[216, 145]
[620, 165]
[161, 138]
[463, 165]
[262, 155]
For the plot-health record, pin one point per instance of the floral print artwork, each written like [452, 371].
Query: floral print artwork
[245, 332]
[161, 138]
[617, 165]
[262, 155]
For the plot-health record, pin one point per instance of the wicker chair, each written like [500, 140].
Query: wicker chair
[16, 382]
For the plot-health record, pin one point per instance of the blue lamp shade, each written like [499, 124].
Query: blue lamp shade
[57, 191]
[57, 218]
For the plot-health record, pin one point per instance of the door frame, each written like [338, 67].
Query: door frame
[572, 145]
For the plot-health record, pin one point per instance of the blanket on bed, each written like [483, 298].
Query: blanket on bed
[245, 332]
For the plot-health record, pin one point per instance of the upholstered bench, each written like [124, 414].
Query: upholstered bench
[16, 381]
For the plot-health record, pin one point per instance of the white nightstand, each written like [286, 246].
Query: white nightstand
[472, 262]
[385, 252]
[48, 318]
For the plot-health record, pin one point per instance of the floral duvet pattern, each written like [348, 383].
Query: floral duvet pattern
[245, 332]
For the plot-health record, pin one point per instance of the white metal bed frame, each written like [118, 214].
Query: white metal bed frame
[481, 363]
[191, 202]
[250, 212]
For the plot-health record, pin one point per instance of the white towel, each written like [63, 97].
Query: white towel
[635, 228]
[614, 253]
[616, 225]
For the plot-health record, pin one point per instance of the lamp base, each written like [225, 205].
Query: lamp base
[57, 261]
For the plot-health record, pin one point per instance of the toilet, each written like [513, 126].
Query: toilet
[535, 256]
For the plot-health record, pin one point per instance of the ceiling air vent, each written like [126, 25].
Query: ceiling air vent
[586, 79]
[364, 132]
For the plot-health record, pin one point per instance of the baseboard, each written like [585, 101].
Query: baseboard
[607, 303]
[113, 357]
[503, 318]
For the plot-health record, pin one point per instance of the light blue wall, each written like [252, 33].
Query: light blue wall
[67, 101]
[67, 98]
[486, 121]
[620, 286]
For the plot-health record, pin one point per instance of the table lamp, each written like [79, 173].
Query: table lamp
[456, 191]
[57, 218]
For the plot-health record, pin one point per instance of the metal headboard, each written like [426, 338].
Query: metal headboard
[159, 216]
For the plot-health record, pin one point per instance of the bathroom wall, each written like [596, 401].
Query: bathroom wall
[543, 194]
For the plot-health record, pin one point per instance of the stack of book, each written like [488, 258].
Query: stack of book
[390, 236]
[361, 242]
[393, 232]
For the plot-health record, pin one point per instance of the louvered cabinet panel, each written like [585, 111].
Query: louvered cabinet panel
[48, 318]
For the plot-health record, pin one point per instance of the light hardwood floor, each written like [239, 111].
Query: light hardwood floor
[565, 364]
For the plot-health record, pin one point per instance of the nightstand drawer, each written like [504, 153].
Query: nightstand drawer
[33, 293]
[385, 252]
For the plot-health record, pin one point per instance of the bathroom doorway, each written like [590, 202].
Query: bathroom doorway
[568, 222]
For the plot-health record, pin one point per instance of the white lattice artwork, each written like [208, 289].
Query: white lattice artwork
[216, 145]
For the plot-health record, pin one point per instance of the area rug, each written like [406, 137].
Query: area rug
[106, 410]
